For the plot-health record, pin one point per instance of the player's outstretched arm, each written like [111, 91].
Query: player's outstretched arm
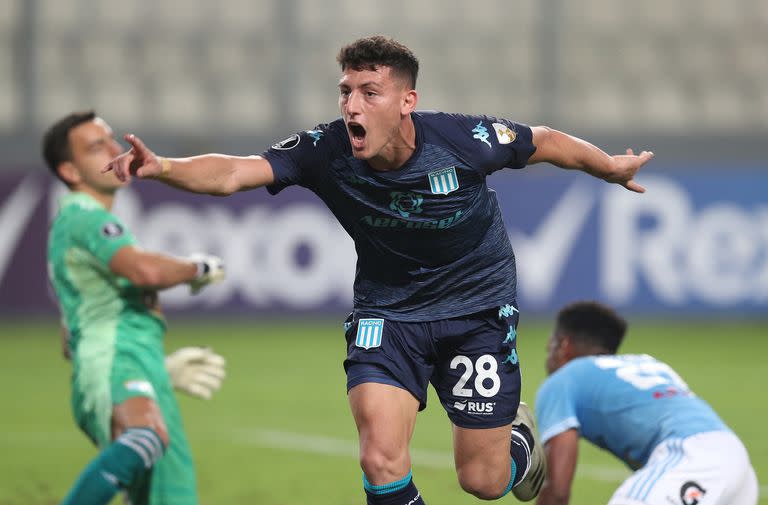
[567, 151]
[215, 174]
[159, 271]
[562, 452]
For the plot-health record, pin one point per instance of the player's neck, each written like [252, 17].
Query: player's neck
[105, 199]
[399, 149]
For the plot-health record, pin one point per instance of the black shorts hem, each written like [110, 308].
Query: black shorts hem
[479, 424]
[379, 374]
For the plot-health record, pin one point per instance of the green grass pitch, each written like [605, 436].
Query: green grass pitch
[280, 432]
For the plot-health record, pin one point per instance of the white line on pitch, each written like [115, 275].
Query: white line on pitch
[316, 444]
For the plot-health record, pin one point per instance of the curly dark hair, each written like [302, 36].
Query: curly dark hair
[592, 324]
[369, 53]
[56, 148]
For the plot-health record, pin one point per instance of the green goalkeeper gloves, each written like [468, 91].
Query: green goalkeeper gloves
[197, 371]
[210, 269]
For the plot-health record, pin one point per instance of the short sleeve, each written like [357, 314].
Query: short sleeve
[556, 407]
[102, 234]
[515, 143]
[297, 159]
[491, 144]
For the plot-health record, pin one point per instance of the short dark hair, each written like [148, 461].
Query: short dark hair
[369, 53]
[56, 148]
[592, 324]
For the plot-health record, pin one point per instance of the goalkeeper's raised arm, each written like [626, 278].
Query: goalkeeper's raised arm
[214, 174]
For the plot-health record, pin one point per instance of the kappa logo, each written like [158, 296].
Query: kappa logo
[443, 181]
[504, 134]
[316, 136]
[511, 336]
[507, 310]
[512, 359]
[691, 492]
[481, 133]
[369, 333]
[288, 143]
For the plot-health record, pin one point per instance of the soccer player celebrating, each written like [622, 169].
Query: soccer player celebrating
[435, 288]
[113, 330]
[641, 411]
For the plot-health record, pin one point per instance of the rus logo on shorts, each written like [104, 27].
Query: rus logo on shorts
[369, 333]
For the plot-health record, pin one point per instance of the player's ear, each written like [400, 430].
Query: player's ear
[567, 349]
[409, 102]
[68, 171]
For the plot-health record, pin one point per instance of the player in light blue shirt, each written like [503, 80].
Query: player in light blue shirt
[641, 411]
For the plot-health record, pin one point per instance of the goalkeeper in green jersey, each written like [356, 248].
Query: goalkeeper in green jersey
[122, 384]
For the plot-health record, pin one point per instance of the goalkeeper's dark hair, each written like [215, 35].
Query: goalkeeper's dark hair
[369, 53]
[56, 148]
[591, 324]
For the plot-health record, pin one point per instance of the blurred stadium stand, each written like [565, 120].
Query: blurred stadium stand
[687, 78]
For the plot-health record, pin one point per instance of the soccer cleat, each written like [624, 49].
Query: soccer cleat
[533, 478]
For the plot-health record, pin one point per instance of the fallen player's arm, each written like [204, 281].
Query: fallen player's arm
[562, 451]
[567, 151]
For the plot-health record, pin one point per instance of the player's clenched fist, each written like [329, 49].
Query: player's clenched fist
[138, 161]
[210, 269]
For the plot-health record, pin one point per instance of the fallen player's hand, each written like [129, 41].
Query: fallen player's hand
[210, 269]
[197, 371]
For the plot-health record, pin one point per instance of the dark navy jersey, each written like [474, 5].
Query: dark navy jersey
[429, 236]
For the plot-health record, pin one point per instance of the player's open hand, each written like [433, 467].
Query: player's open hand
[138, 161]
[625, 166]
[197, 371]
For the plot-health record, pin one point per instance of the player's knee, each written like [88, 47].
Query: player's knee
[381, 466]
[483, 483]
[133, 453]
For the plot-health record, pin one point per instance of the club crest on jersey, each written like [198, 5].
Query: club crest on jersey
[443, 181]
[504, 134]
[369, 332]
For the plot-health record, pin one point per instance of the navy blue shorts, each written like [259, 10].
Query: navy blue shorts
[471, 362]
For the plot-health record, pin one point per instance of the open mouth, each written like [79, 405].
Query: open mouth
[356, 134]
